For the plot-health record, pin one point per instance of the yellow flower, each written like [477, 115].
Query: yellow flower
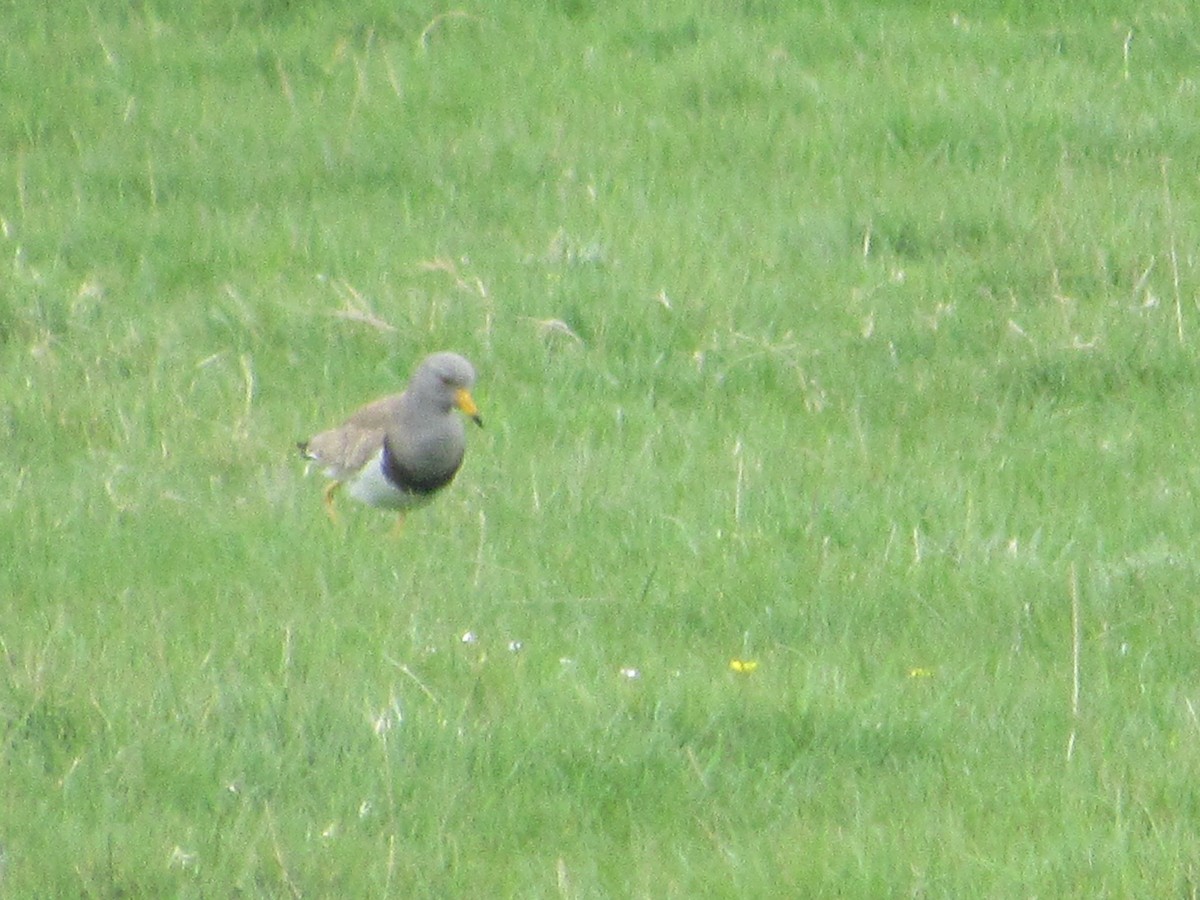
[920, 672]
[744, 666]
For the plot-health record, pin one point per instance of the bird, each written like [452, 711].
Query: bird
[400, 451]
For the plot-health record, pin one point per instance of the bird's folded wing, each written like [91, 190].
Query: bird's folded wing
[343, 451]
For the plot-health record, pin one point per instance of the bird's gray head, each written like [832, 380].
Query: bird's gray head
[446, 379]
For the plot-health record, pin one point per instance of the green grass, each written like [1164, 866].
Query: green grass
[857, 340]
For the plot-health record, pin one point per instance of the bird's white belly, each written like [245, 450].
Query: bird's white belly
[371, 486]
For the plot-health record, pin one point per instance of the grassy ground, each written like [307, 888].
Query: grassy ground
[851, 343]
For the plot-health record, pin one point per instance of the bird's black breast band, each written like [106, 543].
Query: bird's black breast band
[407, 481]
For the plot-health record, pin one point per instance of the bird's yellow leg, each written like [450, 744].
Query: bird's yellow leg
[398, 528]
[330, 492]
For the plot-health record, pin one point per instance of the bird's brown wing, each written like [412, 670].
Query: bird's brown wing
[343, 450]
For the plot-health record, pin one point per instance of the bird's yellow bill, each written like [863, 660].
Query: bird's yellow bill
[464, 401]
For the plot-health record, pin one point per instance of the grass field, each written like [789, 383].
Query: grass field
[834, 527]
